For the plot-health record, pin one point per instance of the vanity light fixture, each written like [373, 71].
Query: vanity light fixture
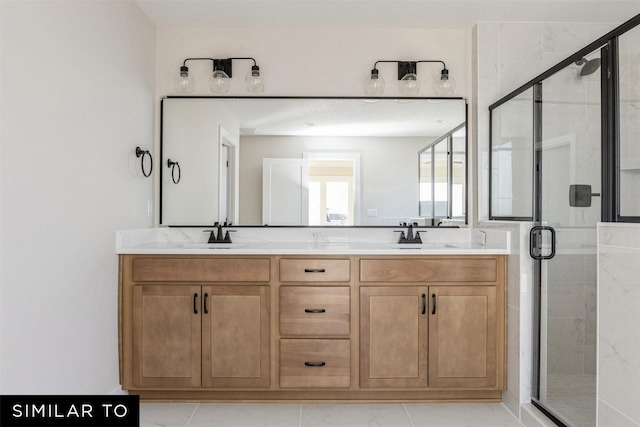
[408, 82]
[219, 82]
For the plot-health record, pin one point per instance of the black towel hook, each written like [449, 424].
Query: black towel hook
[142, 153]
[173, 166]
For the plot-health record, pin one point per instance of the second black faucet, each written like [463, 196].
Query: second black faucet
[409, 237]
[216, 236]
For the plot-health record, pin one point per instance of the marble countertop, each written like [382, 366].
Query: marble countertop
[311, 241]
[312, 248]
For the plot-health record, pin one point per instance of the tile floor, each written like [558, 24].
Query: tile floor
[326, 415]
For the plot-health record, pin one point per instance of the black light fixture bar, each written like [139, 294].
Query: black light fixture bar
[408, 82]
[225, 65]
[219, 80]
[410, 67]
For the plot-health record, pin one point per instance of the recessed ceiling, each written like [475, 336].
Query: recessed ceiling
[380, 13]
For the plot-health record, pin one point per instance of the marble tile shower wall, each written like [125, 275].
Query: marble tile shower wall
[619, 317]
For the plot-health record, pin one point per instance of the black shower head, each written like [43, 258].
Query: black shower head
[590, 66]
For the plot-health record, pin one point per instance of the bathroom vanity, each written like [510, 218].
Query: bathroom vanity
[343, 323]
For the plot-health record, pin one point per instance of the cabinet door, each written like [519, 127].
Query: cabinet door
[166, 328]
[462, 336]
[393, 337]
[235, 336]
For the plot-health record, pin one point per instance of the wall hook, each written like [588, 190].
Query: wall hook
[173, 166]
[142, 153]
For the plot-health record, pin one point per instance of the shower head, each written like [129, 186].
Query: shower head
[589, 66]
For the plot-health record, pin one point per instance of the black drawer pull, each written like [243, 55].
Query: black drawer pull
[195, 303]
[206, 311]
[315, 364]
[315, 310]
[433, 297]
[314, 270]
[424, 303]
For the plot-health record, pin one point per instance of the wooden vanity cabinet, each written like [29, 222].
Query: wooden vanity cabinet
[463, 337]
[432, 323]
[315, 323]
[278, 328]
[235, 337]
[393, 336]
[194, 335]
[166, 336]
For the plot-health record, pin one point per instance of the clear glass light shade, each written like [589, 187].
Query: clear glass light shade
[409, 84]
[184, 83]
[444, 85]
[219, 82]
[254, 81]
[374, 85]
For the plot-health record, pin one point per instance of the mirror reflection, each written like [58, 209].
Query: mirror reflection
[312, 161]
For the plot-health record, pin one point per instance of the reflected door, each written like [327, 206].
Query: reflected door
[285, 191]
[567, 208]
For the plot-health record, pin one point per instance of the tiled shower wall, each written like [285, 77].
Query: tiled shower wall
[619, 317]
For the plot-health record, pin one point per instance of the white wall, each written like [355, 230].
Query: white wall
[313, 61]
[77, 98]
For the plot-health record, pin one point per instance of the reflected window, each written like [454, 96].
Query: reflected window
[331, 192]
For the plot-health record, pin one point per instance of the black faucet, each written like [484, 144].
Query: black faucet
[218, 238]
[409, 237]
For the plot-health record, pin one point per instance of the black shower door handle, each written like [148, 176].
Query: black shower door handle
[535, 242]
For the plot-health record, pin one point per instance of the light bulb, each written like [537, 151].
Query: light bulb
[182, 82]
[374, 85]
[409, 84]
[445, 85]
[219, 82]
[254, 81]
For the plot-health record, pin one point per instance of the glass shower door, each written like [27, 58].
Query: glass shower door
[568, 145]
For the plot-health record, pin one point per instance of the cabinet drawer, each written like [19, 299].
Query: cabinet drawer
[315, 363]
[429, 270]
[314, 310]
[315, 270]
[167, 269]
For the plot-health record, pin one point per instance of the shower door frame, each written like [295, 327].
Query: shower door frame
[610, 155]
[541, 273]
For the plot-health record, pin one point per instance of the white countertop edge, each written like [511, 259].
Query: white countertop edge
[282, 250]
